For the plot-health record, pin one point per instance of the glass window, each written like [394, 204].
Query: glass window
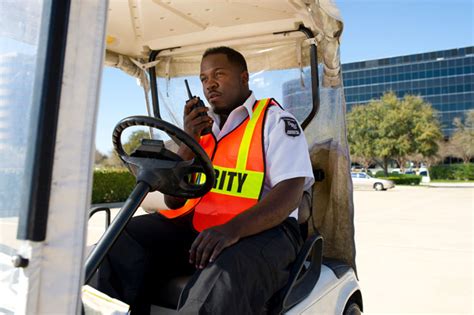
[21, 72]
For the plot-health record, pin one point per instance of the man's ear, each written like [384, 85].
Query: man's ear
[245, 77]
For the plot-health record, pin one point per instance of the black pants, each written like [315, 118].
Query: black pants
[153, 250]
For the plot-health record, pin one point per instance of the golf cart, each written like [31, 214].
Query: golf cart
[54, 53]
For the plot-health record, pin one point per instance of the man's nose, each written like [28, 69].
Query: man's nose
[211, 84]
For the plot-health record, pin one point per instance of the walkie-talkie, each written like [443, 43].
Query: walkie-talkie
[200, 103]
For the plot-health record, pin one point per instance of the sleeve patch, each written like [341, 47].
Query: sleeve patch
[291, 127]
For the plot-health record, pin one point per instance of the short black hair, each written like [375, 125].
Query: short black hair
[233, 56]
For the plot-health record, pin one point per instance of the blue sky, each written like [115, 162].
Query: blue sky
[372, 29]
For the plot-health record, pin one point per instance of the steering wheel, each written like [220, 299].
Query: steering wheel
[162, 169]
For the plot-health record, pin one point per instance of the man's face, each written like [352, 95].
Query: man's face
[224, 84]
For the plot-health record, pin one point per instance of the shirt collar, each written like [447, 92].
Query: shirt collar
[248, 104]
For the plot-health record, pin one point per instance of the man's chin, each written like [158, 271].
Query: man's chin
[218, 107]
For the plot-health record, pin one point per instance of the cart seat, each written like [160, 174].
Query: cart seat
[168, 294]
[303, 277]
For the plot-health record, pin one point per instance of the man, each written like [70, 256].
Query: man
[239, 239]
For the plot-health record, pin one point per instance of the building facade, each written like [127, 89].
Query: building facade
[443, 78]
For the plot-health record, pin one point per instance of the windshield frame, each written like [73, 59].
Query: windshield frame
[33, 217]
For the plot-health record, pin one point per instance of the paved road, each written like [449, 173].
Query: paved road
[415, 250]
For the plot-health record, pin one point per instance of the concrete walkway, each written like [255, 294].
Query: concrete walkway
[415, 250]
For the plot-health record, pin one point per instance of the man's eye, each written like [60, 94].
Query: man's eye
[202, 79]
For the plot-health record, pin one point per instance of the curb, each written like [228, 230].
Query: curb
[449, 185]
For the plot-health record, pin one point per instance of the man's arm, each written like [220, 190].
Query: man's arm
[272, 210]
[193, 125]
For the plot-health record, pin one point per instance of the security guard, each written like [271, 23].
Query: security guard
[239, 239]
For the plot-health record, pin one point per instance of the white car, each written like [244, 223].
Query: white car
[363, 180]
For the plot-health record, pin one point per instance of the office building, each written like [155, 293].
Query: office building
[443, 78]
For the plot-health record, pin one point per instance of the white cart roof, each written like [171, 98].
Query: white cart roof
[137, 27]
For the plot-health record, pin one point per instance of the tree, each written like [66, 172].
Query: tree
[389, 128]
[444, 151]
[99, 157]
[462, 140]
[361, 135]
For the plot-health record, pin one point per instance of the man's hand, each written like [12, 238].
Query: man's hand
[193, 125]
[210, 243]
[193, 122]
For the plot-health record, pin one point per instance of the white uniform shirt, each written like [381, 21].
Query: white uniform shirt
[286, 156]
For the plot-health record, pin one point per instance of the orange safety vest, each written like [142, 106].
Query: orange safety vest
[239, 162]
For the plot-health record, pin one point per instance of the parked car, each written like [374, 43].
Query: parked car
[363, 180]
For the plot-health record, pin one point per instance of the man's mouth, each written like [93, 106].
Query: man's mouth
[214, 95]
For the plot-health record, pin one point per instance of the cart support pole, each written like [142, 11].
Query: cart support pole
[314, 77]
[154, 85]
[118, 225]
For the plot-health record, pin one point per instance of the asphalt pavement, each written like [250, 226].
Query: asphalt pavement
[415, 249]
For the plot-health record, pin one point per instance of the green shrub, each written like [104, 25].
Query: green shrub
[404, 179]
[381, 174]
[453, 172]
[395, 174]
[112, 185]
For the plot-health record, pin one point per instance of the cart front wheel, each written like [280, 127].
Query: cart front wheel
[352, 309]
